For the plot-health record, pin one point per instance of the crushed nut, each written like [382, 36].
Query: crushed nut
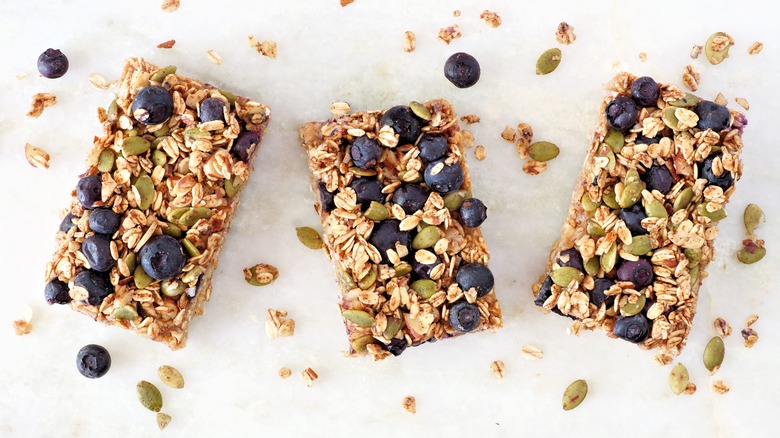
[479, 152]
[214, 57]
[277, 325]
[37, 157]
[309, 376]
[750, 336]
[470, 118]
[447, 34]
[691, 78]
[720, 387]
[533, 167]
[696, 51]
[720, 99]
[284, 372]
[531, 352]
[722, 327]
[339, 108]
[690, 389]
[741, 101]
[41, 101]
[565, 33]
[490, 18]
[509, 134]
[751, 320]
[170, 5]
[346, 2]
[410, 41]
[755, 48]
[642, 56]
[410, 404]
[498, 368]
[98, 81]
[166, 44]
[266, 48]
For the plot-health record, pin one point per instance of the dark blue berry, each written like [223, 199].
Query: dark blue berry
[632, 328]
[645, 91]
[97, 250]
[67, 222]
[621, 113]
[632, 217]
[432, 147]
[597, 295]
[712, 116]
[423, 270]
[475, 275]
[448, 177]
[104, 221]
[404, 123]
[462, 70]
[396, 346]
[326, 199]
[162, 257]
[245, 145]
[641, 139]
[97, 285]
[386, 234]
[93, 361]
[365, 152]
[473, 212]
[57, 292]
[88, 191]
[367, 190]
[212, 109]
[545, 291]
[571, 257]
[659, 178]
[724, 180]
[464, 317]
[639, 272]
[410, 197]
[53, 64]
[152, 105]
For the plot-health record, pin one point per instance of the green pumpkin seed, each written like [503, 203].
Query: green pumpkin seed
[141, 278]
[753, 218]
[609, 199]
[683, 199]
[693, 256]
[149, 396]
[688, 101]
[231, 98]
[632, 176]
[574, 394]
[716, 215]
[425, 288]
[655, 209]
[135, 146]
[130, 261]
[159, 158]
[669, 118]
[631, 309]
[125, 312]
[369, 279]
[593, 265]
[163, 130]
[190, 248]
[588, 204]
[358, 317]
[745, 256]
[346, 282]
[359, 344]
[309, 237]
[376, 212]
[416, 178]
[639, 246]
[565, 275]
[176, 214]
[595, 230]
[172, 288]
[106, 160]
[261, 274]
[543, 151]
[171, 376]
[362, 172]
[172, 230]
[453, 201]
[402, 269]
[163, 420]
[233, 186]
[615, 140]
[631, 194]
[393, 326]
[714, 353]
[716, 56]
[162, 73]
[195, 133]
[131, 132]
[191, 217]
[427, 238]
[113, 111]
[694, 272]
[678, 379]
[548, 61]
[145, 189]
[605, 151]
[609, 258]
[420, 110]
[192, 274]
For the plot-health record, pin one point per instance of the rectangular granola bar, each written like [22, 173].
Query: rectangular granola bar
[139, 243]
[401, 227]
[644, 215]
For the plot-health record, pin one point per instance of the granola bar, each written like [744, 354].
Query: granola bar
[401, 227]
[139, 243]
[644, 215]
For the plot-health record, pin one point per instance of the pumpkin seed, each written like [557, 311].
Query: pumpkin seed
[753, 218]
[669, 118]
[402, 269]
[639, 246]
[191, 217]
[714, 353]
[309, 237]
[192, 274]
[588, 204]
[563, 276]
[595, 229]
[631, 194]
[427, 237]
[593, 265]
[678, 378]
[172, 230]
[609, 258]
[615, 140]
[162, 73]
[159, 158]
[163, 130]
[548, 61]
[190, 248]
[694, 273]
[144, 188]
[163, 420]
[195, 133]
[376, 212]
[359, 344]
[130, 132]
[231, 98]
[130, 261]
[543, 151]
[233, 186]
[172, 288]
[631, 309]
[683, 199]
[632, 176]
[655, 209]
[716, 215]
[141, 278]
[176, 214]
[574, 394]
[716, 56]
[453, 201]
[358, 317]
[149, 396]
[261, 274]
[171, 376]
[362, 172]
[688, 101]
[346, 282]
[135, 146]
[112, 111]
[425, 288]
[693, 256]
[369, 279]
[609, 198]
[420, 110]
[393, 326]
[605, 151]
[106, 160]
[125, 312]
[745, 256]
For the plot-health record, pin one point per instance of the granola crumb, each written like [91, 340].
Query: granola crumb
[21, 75]
[750, 336]
[531, 352]
[447, 34]
[456, 13]
[470, 118]
[277, 324]
[690, 389]
[720, 387]
[662, 358]
[722, 327]
[741, 101]
[565, 33]
[410, 404]
[751, 320]
[479, 152]
[339, 108]
[166, 44]
[37, 157]
[466, 139]
[214, 57]
[720, 99]
[498, 368]
[533, 167]
[98, 81]
[285, 372]
[509, 134]
[526, 136]
[22, 327]
[696, 51]
[691, 78]
[346, 2]
[309, 376]
[410, 41]
[490, 18]
[266, 48]
[170, 5]
[41, 101]
[755, 48]
[642, 56]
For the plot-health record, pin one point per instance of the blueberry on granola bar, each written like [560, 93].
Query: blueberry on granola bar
[621, 113]
[641, 139]
[53, 64]
[88, 191]
[404, 123]
[57, 292]
[411, 197]
[658, 178]
[386, 235]
[632, 217]
[212, 109]
[423, 270]
[724, 180]
[97, 285]
[93, 361]
[327, 204]
[245, 145]
[152, 105]
[162, 257]
[367, 190]
[464, 317]
[712, 116]
[571, 257]
[598, 295]
[645, 91]
[432, 147]
[365, 152]
[477, 276]
[97, 250]
[473, 212]
[442, 177]
[103, 221]
[632, 328]
[639, 272]
[67, 222]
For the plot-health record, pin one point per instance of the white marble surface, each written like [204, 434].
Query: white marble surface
[328, 53]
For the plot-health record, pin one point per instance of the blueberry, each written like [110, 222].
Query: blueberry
[432, 147]
[410, 197]
[162, 257]
[104, 221]
[93, 361]
[97, 250]
[404, 123]
[597, 295]
[396, 346]
[447, 178]
[326, 199]
[57, 292]
[641, 139]
[712, 116]
[53, 64]
[88, 191]
[724, 180]
[212, 109]
[621, 113]
[424, 270]
[645, 91]
[97, 285]
[571, 257]
[632, 217]
[632, 328]
[475, 275]
[152, 105]
[368, 190]
[386, 234]
[365, 152]
[544, 292]
[67, 222]
[245, 145]
[659, 178]
[464, 317]
[462, 70]
[473, 212]
[639, 272]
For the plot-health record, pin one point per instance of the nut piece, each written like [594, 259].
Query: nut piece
[741, 101]
[170, 5]
[277, 325]
[755, 48]
[37, 157]
[284, 372]
[720, 387]
[166, 44]
[410, 404]
[720, 99]
[266, 48]
[479, 152]
[490, 18]
[722, 327]
[691, 78]
[497, 367]
[533, 167]
[696, 51]
[309, 376]
[470, 118]
[531, 352]
[41, 101]
[410, 41]
[565, 33]
[214, 57]
[447, 34]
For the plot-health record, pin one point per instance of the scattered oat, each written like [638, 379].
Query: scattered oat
[690, 389]
[533, 167]
[98, 81]
[309, 376]
[490, 18]
[498, 368]
[166, 44]
[410, 404]
[479, 152]
[284, 372]
[696, 51]
[691, 78]
[470, 118]
[722, 327]
[565, 33]
[662, 358]
[170, 5]
[720, 99]
[22, 326]
[751, 320]
[456, 13]
[410, 41]
[524, 140]
[447, 34]
[741, 101]
[530, 352]
[642, 56]
[277, 325]
[41, 101]
[720, 387]
[755, 48]
[339, 108]
[21, 75]
[37, 157]
[266, 48]
[509, 134]
[214, 57]
[346, 2]
[466, 139]
[750, 336]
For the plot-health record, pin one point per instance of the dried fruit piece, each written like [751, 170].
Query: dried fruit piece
[574, 394]
[149, 396]
[548, 61]
[678, 379]
[171, 376]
